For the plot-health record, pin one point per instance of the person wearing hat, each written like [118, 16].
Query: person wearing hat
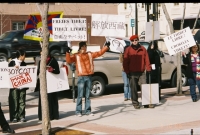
[85, 69]
[136, 53]
[4, 124]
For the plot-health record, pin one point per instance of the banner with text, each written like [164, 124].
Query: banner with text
[57, 82]
[179, 41]
[69, 29]
[108, 25]
[19, 77]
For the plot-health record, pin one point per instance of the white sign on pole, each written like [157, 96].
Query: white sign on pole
[69, 29]
[57, 82]
[108, 25]
[152, 31]
[179, 41]
[22, 77]
[150, 94]
[3, 64]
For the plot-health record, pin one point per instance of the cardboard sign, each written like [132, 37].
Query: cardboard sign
[22, 77]
[179, 41]
[69, 29]
[152, 31]
[150, 94]
[4, 77]
[108, 25]
[57, 82]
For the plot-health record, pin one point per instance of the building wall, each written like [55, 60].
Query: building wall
[20, 13]
[174, 11]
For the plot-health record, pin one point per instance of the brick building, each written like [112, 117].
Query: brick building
[13, 16]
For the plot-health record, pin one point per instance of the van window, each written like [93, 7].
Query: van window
[7, 36]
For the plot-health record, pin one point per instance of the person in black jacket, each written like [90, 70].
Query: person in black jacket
[4, 124]
[53, 67]
[192, 59]
[17, 96]
[154, 57]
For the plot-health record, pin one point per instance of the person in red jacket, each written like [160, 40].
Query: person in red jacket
[85, 69]
[136, 61]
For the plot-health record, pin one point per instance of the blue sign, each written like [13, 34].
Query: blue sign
[132, 22]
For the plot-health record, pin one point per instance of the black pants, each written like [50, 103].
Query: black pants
[3, 122]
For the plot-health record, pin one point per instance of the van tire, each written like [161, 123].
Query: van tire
[184, 79]
[98, 86]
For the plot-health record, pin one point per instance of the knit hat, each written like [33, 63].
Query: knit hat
[81, 44]
[133, 37]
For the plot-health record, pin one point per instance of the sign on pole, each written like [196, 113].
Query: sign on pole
[179, 41]
[57, 82]
[108, 25]
[69, 29]
[152, 31]
[132, 22]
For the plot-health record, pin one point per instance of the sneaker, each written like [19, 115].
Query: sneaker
[151, 106]
[136, 106]
[23, 120]
[14, 121]
[146, 106]
[125, 99]
[90, 114]
[79, 114]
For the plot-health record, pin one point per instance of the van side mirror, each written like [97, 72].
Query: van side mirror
[15, 40]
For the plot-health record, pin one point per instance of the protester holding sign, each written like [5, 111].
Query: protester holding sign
[4, 124]
[85, 68]
[192, 59]
[136, 60]
[154, 57]
[52, 67]
[17, 96]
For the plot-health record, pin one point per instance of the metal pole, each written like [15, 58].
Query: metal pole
[147, 4]
[136, 19]
[73, 85]
[154, 11]
[88, 33]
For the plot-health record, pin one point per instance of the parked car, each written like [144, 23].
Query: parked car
[107, 68]
[11, 41]
[142, 35]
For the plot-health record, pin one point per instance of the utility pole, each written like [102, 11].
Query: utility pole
[136, 19]
[147, 5]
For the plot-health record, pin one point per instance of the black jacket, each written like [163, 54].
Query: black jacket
[187, 61]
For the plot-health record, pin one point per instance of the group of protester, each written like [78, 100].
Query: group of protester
[137, 64]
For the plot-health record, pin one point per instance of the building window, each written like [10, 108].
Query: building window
[176, 4]
[18, 25]
[159, 4]
[125, 6]
[126, 25]
[143, 5]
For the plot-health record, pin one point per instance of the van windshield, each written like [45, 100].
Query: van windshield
[7, 36]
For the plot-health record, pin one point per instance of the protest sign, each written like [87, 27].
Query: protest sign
[179, 41]
[20, 77]
[108, 25]
[69, 29]
[57, 82]
[4, 77]
[34, 30]
[152, 31]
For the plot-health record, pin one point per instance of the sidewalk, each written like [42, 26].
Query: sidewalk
[113, 115]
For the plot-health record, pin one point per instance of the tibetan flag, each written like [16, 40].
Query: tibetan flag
[33, 30]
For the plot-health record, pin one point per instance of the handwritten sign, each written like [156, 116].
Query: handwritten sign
[69, 29]
[108, 25]
[4, 77]
[179, 41]
[152, 31]
[20, 77]
[57, 82]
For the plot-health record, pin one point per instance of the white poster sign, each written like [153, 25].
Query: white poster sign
[4, 77]
[150, 94]
[57, 82]
[69, 29]
[152, 31]
[3, 64]
[108, 25]
[24, 76]
[179, 41]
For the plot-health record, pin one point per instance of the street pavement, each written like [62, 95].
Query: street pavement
[174, 115]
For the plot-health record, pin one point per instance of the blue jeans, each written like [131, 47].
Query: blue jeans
[84, 83]
[127, 89]
[193, 82]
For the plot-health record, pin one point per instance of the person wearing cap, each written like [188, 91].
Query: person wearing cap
[136, 61]
[85, 69]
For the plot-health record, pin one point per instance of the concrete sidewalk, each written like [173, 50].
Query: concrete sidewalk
[113, 115]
